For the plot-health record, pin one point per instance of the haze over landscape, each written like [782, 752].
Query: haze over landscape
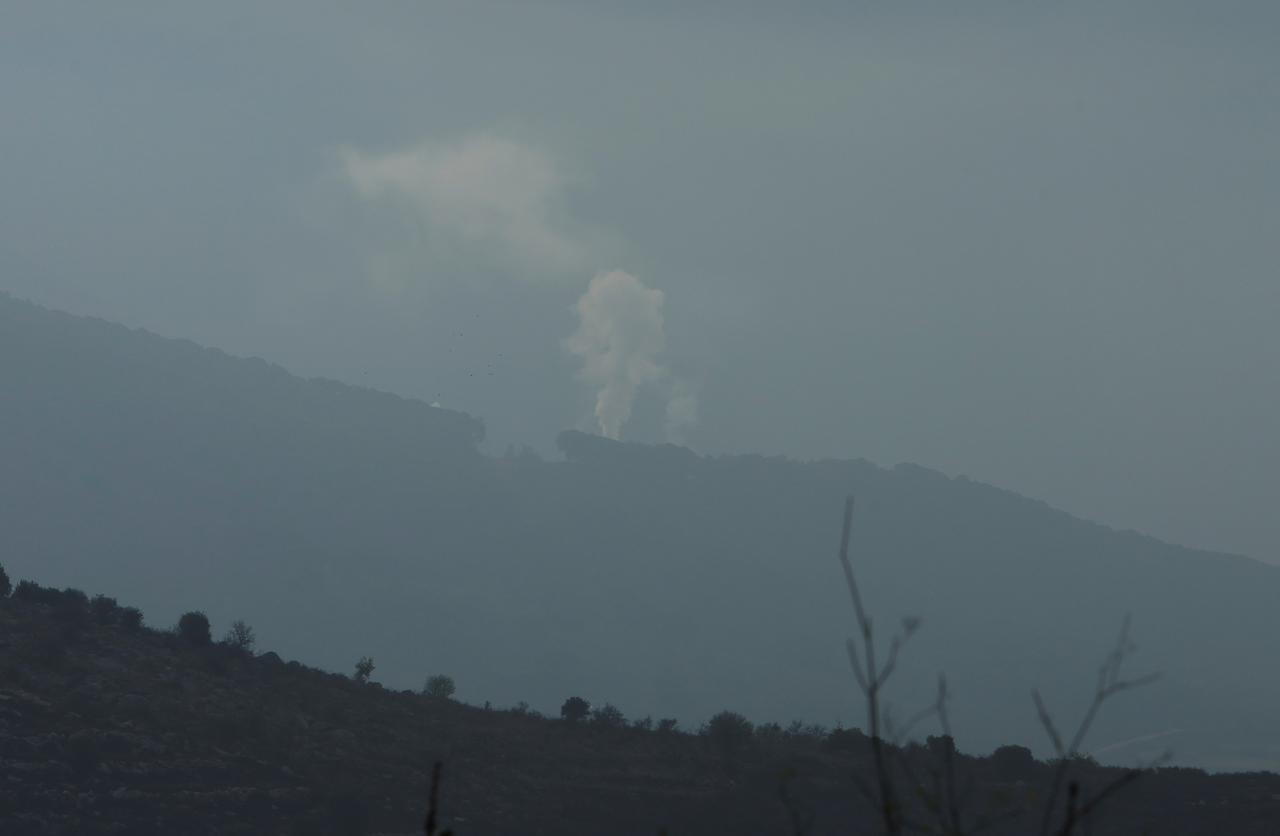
[1031, 245]
[540, 344]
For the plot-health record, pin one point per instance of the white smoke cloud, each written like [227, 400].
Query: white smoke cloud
[492, 196]
[682, 411]
[487, 193]
[619, 338]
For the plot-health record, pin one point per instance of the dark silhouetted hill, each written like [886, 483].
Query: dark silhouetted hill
[342, 522]
[112, 729]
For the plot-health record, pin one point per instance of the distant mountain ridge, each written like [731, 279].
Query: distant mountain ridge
[64, 340]
[342, 521]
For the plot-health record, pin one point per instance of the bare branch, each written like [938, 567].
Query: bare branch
[1046, 720]
[870, 678]
[856, 664]
[1109, 684]
[947, 801]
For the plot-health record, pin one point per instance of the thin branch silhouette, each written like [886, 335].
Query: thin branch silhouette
[948, 801]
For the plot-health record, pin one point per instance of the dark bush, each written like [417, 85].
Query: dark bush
[729, 732]
[668, 725]
[439, 687]
[1012, 761]
[131, 618]
[941, 745]
[34, 593]
[72, 597]
[847, 740]
[811, 730]
[364, 669]
[6, 586]
[240, 637]
[574, 709]
[769, 731]
[105, 610]
[71, 606]
[193, 627]
[609, 717]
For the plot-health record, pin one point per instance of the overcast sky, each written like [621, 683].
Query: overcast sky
[1034, 243]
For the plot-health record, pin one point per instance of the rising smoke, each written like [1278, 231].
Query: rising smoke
[488, 195]
[682, 411]
[619, 339]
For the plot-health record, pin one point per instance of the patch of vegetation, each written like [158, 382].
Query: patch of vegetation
[240, 637]
[131, 618]
[194, 629]
[439, 687]
[260, 745]
[574, 709]
[608, 716]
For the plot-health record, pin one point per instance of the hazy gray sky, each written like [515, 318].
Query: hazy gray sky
[1033, 243]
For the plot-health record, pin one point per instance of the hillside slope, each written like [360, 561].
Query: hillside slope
[344, 522]
[110, 730]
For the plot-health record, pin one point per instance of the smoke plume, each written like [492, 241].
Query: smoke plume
[486, 196]
[619, 339]
[682, 411]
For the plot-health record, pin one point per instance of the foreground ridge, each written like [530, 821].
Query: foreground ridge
[108, 727]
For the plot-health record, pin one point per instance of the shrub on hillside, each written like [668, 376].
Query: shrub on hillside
[73, 597]
[609, 717]
[105, 610]
[440, 687]
[847, 740]
[193, 627]
[771, 733]
[34, 593]
[131, 618]
[813, 731]
[574, 709]
[729, 732]
[1013, 761]
[364, 669]
[70, 603]
[941, 745]
[6, 586]
[71, 607]
[240, 637]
